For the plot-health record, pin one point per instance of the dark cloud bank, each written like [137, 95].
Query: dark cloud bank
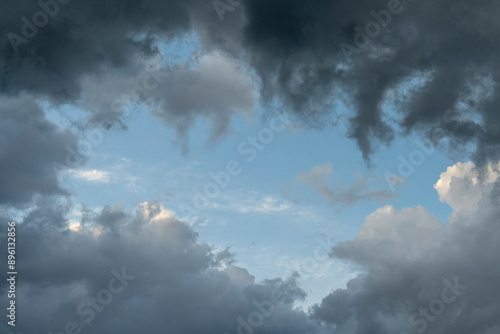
[435, 63]
[307, 55]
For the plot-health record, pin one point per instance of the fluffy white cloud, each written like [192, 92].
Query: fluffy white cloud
[463, 187]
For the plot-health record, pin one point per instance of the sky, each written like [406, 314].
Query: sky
[248, 166]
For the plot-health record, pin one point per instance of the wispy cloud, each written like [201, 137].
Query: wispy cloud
[252, 202]
[340, 193]
[92, 175]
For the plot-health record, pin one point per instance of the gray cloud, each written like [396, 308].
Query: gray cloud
[295, 48]
[30, 145]
[406, 256]
[181, 285]
[92, 54]
[222, 89]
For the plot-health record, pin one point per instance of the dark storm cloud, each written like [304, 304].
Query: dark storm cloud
[307, 55]
[64, 49]
[296, 49]
[30, 144]
[408, 259]
[175, 283]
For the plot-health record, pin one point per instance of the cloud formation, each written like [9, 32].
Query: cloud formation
[92, 175]
[408, 258]
[296, 49]
[340, 194]
[442, 55]
[417, 274]
[428, 65]
[30, 146]
[179, 284]
[96, 55]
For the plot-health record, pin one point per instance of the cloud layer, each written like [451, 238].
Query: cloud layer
[400, 67]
